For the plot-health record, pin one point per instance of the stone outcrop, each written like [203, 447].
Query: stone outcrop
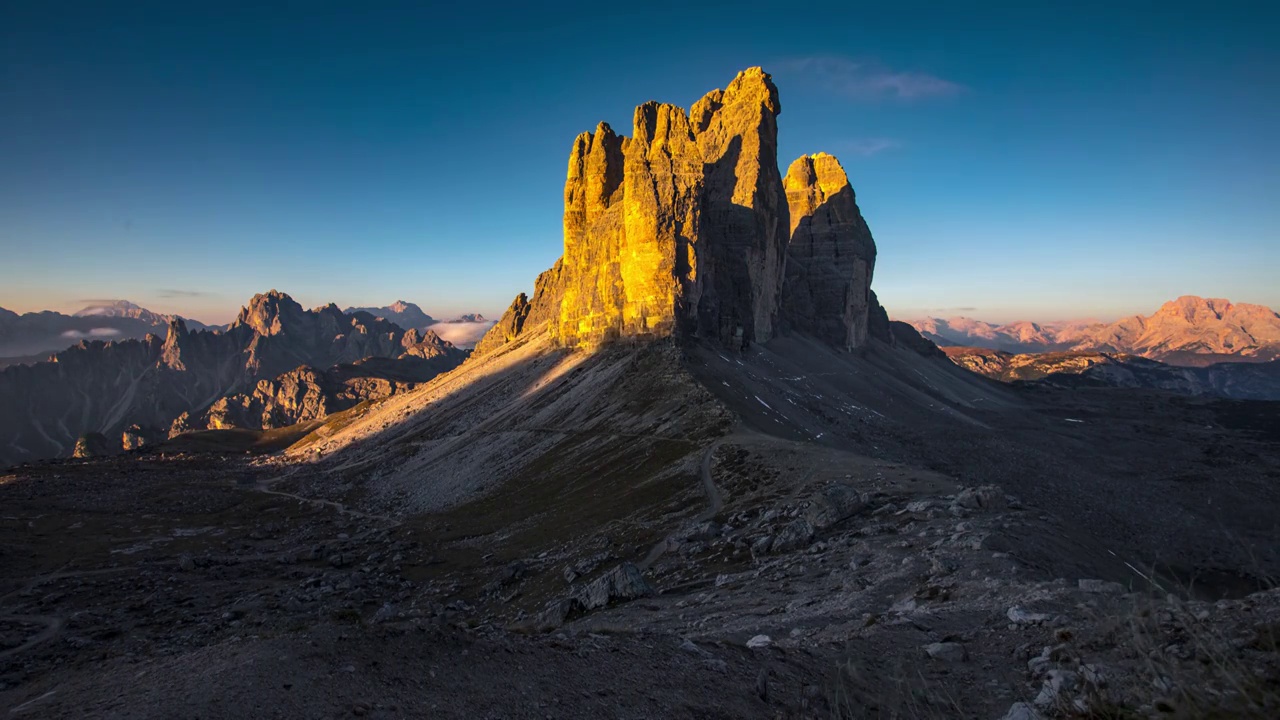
[93, 445]
[686, 227]
[508, 327]
[136, 437]
[831, 255]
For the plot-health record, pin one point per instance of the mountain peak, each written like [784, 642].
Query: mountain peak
[682, 228]
[403, 313]
[1193, 308]
[269, 313]
[112, 308]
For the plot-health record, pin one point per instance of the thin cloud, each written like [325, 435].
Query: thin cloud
[860, 80]
[171, 293]
[869, 146]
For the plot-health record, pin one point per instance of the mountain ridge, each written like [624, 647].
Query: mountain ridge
[1177, 332]
[105, 387]
[36, 334]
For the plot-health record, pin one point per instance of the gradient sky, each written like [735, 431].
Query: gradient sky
[1012, 162]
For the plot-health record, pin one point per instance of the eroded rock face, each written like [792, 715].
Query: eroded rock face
[685, 227]
[831, 255]
[744, 208]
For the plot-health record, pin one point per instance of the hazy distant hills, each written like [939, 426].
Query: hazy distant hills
[276, 364]
[35, 335]
[1189, 331]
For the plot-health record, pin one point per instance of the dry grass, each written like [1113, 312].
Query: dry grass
[899, 692]
[1184, 665]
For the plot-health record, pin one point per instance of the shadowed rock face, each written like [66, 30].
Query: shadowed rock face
[744, 207]
[831, 254]
[214, 377]
[684, 228]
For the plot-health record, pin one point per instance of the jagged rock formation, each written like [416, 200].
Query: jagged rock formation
[99, 387]
[1191, 331]
[685, 227]
[307, 393]
[508, 326]
[831, 255]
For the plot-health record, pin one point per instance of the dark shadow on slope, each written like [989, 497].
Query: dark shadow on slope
[1138, 480]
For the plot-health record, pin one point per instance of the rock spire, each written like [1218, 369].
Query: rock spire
[688, 227]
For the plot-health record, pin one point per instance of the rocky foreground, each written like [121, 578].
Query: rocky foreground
[799, 583]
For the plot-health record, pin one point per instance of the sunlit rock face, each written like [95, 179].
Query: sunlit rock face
[684, 228]
[831, 254]
[680, 225]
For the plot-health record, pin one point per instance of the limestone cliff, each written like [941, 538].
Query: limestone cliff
[831, 254]
[686, 227]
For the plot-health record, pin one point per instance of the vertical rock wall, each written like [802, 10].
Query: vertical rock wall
[830, 256]
[688, 227]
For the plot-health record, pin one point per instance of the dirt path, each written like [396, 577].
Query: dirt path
[264, 486]
[52, 626]
[715, 502]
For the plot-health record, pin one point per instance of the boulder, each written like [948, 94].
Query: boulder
[795, 536]
[833, 505]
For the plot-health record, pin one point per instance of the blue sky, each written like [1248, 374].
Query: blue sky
[1012, 161]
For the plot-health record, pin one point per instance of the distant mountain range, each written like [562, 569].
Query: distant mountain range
[463, 331]
[34, 335]
[405, 314]
[1189, 331]
[276, 364]
[1236, 380]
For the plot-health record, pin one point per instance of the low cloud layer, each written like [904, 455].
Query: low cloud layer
[101, 332]
[171, 293]
[461, 334]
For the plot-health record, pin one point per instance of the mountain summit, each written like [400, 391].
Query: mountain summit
[405, 314]
[1190, 330]
[687, 227]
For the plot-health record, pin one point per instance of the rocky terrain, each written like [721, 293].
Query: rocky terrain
[680, 480]
[31, 337]
[1245, 381]
[308, 393]
[1190, 331]
[212, 379]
